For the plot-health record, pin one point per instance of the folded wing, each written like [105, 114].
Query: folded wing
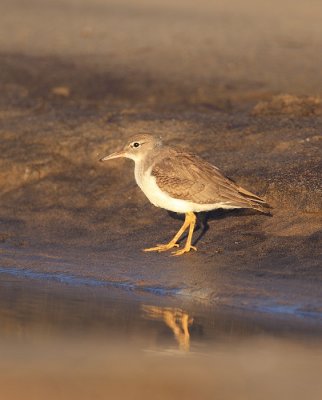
[188, 177]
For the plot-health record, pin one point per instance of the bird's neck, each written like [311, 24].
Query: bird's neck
[140, 168]
[144, 165]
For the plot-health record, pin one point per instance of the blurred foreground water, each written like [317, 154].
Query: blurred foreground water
[78, 342]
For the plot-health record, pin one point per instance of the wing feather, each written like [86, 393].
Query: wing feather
[188, 177]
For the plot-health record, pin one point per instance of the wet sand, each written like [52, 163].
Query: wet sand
[239, 84]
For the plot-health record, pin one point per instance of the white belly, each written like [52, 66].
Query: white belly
[157, 197]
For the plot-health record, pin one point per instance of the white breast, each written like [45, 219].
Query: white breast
[157, 197]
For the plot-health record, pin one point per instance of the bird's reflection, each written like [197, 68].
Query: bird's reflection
[176, 319]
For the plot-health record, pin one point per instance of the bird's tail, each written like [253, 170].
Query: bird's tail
[255, 202]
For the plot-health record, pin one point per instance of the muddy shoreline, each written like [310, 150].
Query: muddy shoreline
[63, 106]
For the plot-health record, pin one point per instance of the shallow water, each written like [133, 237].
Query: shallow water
[83, 341]
[45, 306]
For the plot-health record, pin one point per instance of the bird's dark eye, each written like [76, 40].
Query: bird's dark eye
[136, 144]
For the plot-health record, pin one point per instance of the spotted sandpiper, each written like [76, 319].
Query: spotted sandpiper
[183, 183]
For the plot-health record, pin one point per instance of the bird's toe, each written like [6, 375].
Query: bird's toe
[161, 247]
[184, 250]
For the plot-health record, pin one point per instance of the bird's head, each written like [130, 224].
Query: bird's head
[136, 148]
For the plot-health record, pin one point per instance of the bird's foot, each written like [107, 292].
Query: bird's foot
[162, 247]
[186, 249]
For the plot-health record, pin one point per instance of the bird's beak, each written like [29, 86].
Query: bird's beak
[117, 154]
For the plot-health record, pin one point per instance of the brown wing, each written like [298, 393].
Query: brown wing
[186, 176]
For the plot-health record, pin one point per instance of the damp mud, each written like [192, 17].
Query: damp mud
[238, 84]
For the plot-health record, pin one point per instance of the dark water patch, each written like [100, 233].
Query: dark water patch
[85, 281]
[294, 309]
[86, 301]
[49, 309]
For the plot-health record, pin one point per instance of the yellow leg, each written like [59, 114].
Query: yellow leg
[173, 242]
[192, 222]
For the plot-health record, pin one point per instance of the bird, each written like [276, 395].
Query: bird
[184, 183]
